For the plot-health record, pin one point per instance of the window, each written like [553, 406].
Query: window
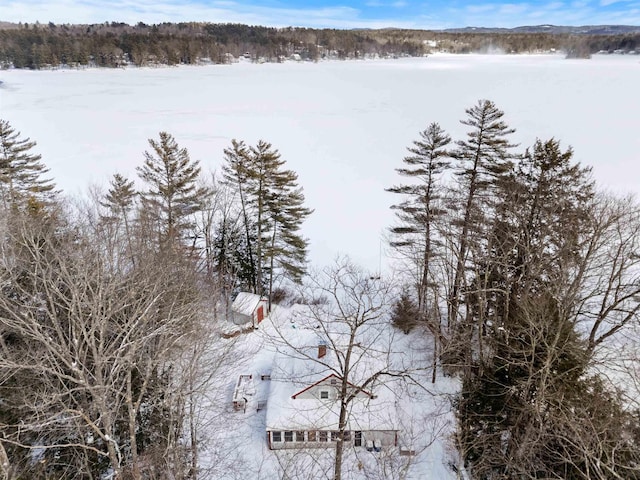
[357, 439]
[288, 436]
[334, 381]
[276, 436]
[346, 436]
[334, 436]
[324, 394]
[322, 436]
[311, 436]
[299, 436]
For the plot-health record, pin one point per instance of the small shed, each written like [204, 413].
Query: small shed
[249, 308]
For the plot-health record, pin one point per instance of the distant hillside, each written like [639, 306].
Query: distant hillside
[113, 44]
[553, 29]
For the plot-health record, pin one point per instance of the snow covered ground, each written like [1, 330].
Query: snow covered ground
[234, 445]
[343, 126]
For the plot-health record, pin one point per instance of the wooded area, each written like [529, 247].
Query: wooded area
[106, 305]
[115, 44]
[523, 273]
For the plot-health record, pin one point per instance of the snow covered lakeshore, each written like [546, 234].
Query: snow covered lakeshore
[343, 126]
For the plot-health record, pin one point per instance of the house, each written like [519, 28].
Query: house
[249, 308]
[303, 406]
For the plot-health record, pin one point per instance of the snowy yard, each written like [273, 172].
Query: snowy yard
[234, 442]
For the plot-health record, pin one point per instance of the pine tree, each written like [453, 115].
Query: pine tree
[235, 173]
[420, 210]
[516, 404]
[273, 209]
[483, 158]
[173, 195]
[405, 313]
[21, 172]
[120, 201]
[556, 197]
[287, 248]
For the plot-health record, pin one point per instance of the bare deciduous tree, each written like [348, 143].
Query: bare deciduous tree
[349, 311]
[98, 349]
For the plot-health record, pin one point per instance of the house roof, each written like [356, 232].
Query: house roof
[287, 413]
[333, 375]
[296, 370]
[246, 303]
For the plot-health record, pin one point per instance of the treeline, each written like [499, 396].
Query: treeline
[108, 307]
[525, 275]
[114, 44]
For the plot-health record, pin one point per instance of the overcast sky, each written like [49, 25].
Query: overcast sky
[426, 14]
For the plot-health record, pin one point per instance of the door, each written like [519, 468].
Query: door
[260, 313]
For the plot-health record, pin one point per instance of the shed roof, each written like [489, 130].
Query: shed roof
[246, 303]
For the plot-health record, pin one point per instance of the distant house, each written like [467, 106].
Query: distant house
[303, 406]
[248, 308]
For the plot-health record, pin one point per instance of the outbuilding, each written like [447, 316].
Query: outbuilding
[249, 308]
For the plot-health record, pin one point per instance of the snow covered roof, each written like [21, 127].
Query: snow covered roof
[285, 412]
[322, 380]
[246, 303]
[297, 370]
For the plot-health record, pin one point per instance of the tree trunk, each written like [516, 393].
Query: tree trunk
[133, 444]
[273, 243]
[342, 424]
[5, 467]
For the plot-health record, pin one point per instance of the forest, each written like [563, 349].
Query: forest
[114, 44]
[511, 262]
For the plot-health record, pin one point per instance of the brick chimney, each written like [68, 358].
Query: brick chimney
[322, 349]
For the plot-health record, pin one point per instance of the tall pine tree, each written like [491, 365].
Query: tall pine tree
[482, 159]
[235, 174]
[530, 390]
[173, 194]
[120, 200]
[22, 181]
[273, 210]
[420, 209]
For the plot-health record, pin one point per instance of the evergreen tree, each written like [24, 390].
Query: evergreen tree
[235, 173]
[519, 403]
[273, 212]
[121, 196]
[120, 201]
[231, 263]
[556, 197]
[420, 210]
[482, 158]
[405, 313]
[173, 195]
[21, 172]
[287, 248]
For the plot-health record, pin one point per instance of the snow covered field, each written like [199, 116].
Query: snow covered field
[343, 126]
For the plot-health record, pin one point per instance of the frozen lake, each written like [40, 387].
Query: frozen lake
[343, 126]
